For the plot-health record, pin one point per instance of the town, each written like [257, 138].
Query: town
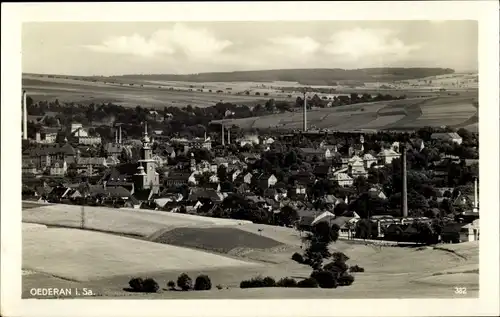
[414, 186]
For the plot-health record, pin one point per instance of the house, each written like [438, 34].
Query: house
[248, 140]
[265, 181]
[197, 194]
[169, 152]
[113, 149]
[310, 153]
[369, 160]
[268, 141]
[357, 169]
[448, 137]
[247, 179]
[377, 192]
[343, 179]
[232, 175]
[387, 155]
[47, 135]
[28, 167]
[90, 164]
[58, 168]
[250, 158]
[43, 156]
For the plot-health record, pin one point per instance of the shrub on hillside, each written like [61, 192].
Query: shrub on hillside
[184, 282]
[269, 282]
[150, 286]
[326, 279]
[287, 282]
[245, 284]
[219, 286]
[345, 280]
[258, 282]
[308, 283]
[339, 257]
[336, 267]
[356, 268]
[297, 257]
[171, 285]
[136, 284]
[202, 283]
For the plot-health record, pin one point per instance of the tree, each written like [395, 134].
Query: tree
[222, 173]
[287, 216]
[340, 209]
[270, 105]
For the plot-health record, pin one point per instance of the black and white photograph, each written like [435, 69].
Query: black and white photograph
[252, 159]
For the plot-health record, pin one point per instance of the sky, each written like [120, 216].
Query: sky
[116, 48]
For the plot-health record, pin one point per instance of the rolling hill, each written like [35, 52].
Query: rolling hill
[304, 76]
[408, 114]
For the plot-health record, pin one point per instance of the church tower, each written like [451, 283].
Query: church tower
[146, 176]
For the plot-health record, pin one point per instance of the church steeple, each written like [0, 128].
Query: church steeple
[146, 145]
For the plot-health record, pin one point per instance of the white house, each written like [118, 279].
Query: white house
[451, 137]
[368, 160]
[387, 155]
[343, 179]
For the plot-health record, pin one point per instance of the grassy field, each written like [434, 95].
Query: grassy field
[131, 92]
[413, 113]
[125, 221]
[231, 252]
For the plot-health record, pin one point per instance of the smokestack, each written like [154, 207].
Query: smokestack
[25, 117]
[228, 136]
[222, 127]
[120, 139]
[145, 128]
[404, 191]
[476, 205]
[305, 114]
[116, 136]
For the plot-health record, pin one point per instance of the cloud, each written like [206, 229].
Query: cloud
[295, 45]
[195, 49]
[191, 42]
[359, 43]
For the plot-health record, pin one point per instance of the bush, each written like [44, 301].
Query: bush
[297, 257]
[245, 284]
[336, 267]
[202, 283]
[258, 282]
[150, 286]
[287, 282]
[184, 282]
[356, 268]
[269, 282]
[219, 286]
[308, 283]
[136, 284]
[339, 257]
[345, 280]
[171, 285]
[326, 279]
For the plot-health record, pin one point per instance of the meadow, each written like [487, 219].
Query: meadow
[131, 92]
[228, 252]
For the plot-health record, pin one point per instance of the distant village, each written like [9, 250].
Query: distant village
[373, 186]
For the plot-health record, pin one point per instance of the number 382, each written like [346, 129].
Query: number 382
[460, 290]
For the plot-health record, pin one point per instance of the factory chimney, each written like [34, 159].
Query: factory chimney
[228, 136]
[404, 190]
[222, 131]
[305, 113]
[25, 117]
[120, 139]
[476, 205]
[116, 136]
